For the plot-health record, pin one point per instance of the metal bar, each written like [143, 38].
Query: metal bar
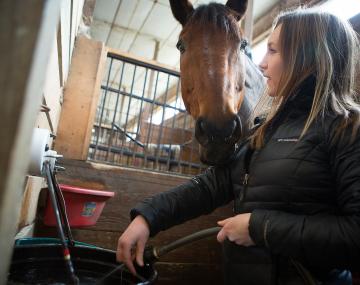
[183, 134]
[192, 150]
[174, 117]
[141, 106]
[151, 116]
[121, 111]
[102, 110]
[108, 129]
[128, 108]
[140, 98]
[116, 105]
[126, 134]
[149, 157]
[143, 64]
[162, 121]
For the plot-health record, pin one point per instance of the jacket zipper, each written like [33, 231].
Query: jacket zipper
[246, 179]
[247, 161]
[245, 184]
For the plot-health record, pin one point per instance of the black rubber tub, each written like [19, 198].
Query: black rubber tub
[44, 264]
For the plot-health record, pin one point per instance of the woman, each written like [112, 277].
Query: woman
[296, 180]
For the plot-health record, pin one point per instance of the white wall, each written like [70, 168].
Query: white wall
[56, 76]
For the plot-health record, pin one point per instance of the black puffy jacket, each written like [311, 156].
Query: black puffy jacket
[304, 196]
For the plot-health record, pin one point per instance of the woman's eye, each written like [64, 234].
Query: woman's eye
[271, 50]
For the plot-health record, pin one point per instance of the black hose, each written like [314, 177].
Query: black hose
[67, 258]
[62, 208]
[152, 254]
[187, 239]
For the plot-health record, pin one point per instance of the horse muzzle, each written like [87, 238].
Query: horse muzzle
[217, 142]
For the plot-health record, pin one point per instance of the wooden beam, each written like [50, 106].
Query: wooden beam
[262, 27]
[249, 21]
[88, 12]
[355, 22]
[27, 31]
[82, 92]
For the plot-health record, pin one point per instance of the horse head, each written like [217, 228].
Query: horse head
[212, 68]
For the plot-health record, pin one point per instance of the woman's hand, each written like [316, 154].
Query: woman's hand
[236, 229]
[134, 238]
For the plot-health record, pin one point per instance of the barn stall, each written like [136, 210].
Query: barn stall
[114, 103]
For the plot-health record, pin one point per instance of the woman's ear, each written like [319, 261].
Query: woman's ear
[239, 6]
[181, 10]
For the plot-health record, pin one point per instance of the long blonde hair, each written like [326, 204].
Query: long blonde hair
[319, 44]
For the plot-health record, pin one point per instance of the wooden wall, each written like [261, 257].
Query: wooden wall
[199, 263]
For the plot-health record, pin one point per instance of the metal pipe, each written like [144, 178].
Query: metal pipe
[143, 64]
[144, 99]
[149, 157]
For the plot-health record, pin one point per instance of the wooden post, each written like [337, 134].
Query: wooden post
[27, 30]
[81, 97]
[248, 25]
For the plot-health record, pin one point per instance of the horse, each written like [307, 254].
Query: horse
[219, 84]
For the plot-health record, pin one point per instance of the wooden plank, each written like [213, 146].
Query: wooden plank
[81, 97]
[30, 201]
[26, 31]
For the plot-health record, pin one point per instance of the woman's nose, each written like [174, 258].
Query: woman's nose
[263, 64]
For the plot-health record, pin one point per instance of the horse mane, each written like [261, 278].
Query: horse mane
[217, 15]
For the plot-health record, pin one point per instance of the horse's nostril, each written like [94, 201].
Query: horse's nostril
[228, 132]
[238, 129]
[200, 126]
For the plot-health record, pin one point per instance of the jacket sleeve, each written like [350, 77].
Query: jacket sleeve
[325, 240]
[201, 195]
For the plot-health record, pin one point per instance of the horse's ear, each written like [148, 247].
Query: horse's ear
[181, 10]
[239, 6]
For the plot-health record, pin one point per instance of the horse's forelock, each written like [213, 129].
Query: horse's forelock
[218, 16]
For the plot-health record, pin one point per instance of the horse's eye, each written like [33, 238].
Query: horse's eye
[180, 46]
[243, 44]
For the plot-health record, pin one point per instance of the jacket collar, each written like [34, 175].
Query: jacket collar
[299, 104]
[296, 106]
